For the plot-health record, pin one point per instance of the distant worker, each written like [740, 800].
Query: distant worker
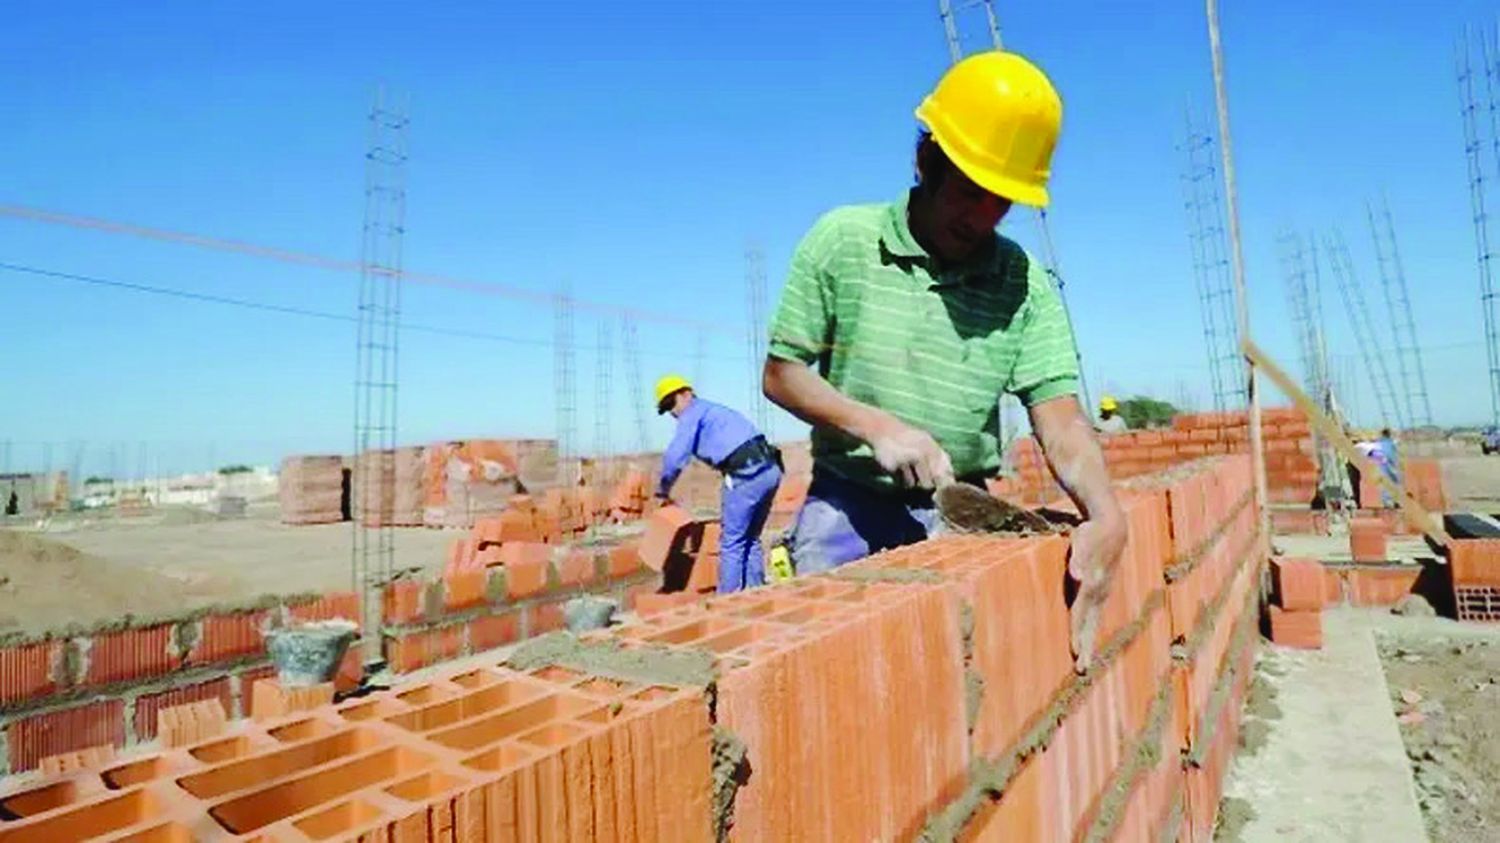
[727, 441]
[1110, 420]
[1389, 460]
[901, 324]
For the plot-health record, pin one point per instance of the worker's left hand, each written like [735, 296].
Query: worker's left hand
[1096, 548]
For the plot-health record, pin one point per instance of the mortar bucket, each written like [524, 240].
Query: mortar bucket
[309, 654]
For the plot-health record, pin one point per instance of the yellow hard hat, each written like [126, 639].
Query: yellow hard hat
[1107, 404]
[667, 387]
[997, 117]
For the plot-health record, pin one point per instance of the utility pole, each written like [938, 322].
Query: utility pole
[1241, 295]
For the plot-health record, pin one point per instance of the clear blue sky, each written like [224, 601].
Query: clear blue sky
[631, 149]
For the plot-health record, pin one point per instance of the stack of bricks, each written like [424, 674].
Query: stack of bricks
[78, 690]
[470, 479]
[1301, 592]
[389, 487]
[1291, 468]
[926, 690]
[1475, 567]
[311, 489]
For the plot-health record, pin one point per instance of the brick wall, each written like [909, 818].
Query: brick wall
[930, 688]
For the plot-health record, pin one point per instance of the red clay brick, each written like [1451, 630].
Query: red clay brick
[338, 604]
[526, 568]
[1299, 583]
[508, 526]
[227, 637]
[1367, 539]
[92, 758]
[545, 617]
[576, 567]
[890, 686]
[666, 531]
[653, 603]
[1381, 586]
[1475, 562]
[33, 738]
[26, 670]
[130, 654]
[402, 601]
[1303, 630]
[190, 723]
[271, 700]
[624, 560]
[492, 631]
[464, 589]
[149, 706]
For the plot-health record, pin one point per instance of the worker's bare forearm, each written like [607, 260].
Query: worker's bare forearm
[805, 394]
[1072, 450]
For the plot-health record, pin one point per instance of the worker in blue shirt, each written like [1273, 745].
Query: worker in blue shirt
[727, 441]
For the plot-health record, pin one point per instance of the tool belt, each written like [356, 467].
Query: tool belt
[754, 452]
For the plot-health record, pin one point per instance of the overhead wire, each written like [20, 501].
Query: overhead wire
[316, 261]
[289, 310]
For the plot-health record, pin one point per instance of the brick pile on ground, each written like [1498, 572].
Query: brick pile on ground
[929, 690]
[389, 487]
[311, 489]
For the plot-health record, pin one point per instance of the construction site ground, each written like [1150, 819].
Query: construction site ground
[88, 569]
[1388, 733]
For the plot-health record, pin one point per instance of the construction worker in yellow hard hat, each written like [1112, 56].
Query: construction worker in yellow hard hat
[1110, 420]
[901, 324]
[751, 467]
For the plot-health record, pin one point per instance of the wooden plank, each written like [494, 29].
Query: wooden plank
[1415, 514]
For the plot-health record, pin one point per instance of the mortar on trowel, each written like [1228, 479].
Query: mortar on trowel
[309, 653]
[970, 509]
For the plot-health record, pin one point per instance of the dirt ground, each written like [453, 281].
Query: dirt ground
[1446, 693]
[84, 570]
[1472, 483]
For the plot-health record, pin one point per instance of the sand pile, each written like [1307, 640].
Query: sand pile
[46, 585]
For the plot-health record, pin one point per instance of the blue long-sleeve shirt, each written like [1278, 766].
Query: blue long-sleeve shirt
[708, 431]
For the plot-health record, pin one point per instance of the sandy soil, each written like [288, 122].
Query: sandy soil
[1472, 483]
[86, 571]
[1446, 693]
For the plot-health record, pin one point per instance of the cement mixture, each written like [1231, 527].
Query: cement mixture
[1446, 693]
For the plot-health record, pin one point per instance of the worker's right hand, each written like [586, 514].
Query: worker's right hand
[911, 454]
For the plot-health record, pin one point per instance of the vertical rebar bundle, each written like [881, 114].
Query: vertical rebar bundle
[377, 346]
[1408, 353]
[1208, 242]
[1294, 269]
[755, 292]
[637, 391]
[1474, 145]
[565, 392]
[603, 395]
[1365, 337]
[948, 12]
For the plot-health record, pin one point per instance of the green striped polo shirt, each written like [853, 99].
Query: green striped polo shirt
[934, 347]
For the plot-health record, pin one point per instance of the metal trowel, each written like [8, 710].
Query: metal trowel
[970, 509]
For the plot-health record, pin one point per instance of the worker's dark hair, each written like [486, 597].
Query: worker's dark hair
[1386, 432]
[933, 164]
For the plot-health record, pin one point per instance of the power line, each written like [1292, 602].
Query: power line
[289, 310]
[316, 261]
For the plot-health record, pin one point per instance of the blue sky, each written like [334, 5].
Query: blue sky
[630, 150]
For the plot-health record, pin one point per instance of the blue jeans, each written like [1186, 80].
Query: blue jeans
[745, 504]
[842, 521]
